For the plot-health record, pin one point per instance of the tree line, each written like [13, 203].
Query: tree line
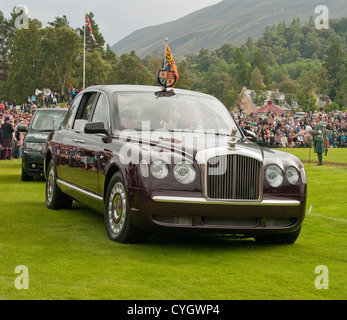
[297, 59]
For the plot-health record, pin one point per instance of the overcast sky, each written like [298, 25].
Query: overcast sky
[116, 19]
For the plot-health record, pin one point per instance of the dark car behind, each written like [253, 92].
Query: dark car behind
[43, 122]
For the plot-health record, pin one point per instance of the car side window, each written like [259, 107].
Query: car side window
[101, 113]
[70, 115]
[84, 111]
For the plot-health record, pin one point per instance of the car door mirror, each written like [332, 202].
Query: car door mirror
[95, 127]
[250, 135]
[22, 129]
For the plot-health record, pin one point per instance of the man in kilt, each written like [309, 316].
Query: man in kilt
[7, 139]
[318, 140]
[326, 139]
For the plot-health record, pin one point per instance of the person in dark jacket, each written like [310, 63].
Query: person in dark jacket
[0, 140]
[7, 139]
[318, 140]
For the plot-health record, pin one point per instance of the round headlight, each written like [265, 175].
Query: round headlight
[292, 175]
[33, 146]
[274, 176]
[159, 169]
[184, 173]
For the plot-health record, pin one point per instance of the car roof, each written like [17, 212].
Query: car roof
[141, 88]
[51, 109]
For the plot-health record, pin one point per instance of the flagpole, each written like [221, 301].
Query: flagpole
[84, 51]
[166, 42]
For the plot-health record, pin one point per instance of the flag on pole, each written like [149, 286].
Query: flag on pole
[169, 63]
[88, 24]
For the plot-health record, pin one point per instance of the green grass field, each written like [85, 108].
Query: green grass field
[69, 256]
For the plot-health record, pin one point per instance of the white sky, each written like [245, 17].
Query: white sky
[116, 19]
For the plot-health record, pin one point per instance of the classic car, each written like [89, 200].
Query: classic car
[43, 122]
[171, 161]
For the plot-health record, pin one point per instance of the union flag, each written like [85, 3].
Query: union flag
[89, 25]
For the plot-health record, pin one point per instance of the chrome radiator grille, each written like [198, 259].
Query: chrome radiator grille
[233, 177]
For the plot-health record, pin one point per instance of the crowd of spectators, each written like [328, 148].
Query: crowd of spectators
[285, 131]
[16, 115]
[272, 130]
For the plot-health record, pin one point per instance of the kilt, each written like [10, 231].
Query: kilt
[7, 142]
[326, 144]
[318, 147]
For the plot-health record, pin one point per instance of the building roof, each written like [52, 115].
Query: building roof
[270, 108]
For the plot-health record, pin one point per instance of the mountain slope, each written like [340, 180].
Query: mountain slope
[229, 21]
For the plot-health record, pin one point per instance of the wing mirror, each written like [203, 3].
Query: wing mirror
[22, 129]
[95, 127]
[250, 135]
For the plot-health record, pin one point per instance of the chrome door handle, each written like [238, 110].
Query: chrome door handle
[78, 141]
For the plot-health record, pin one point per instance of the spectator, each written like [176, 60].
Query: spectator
[326, 139]
[7, 139]
[0, 139]
[318, 139]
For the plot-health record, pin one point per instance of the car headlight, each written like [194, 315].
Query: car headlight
[292, 175]
[144, 168]
[32, 146]
[159, 169]
[184, 173]
[274, 176]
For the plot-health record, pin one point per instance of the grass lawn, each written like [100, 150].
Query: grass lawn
[69, 256]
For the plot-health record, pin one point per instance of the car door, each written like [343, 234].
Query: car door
[89, 147]
[83, 168]
[65, 148]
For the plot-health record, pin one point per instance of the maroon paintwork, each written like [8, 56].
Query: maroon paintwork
[85, 164]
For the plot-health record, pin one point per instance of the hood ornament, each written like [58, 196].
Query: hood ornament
[233, 140]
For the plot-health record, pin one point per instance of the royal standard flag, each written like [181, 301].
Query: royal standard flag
[169, 63]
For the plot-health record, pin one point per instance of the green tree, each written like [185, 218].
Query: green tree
[130, 70]
[97, 69]
[4, 52]
[204, 59]
[217, 84]
[306, 92]
[62, 47]
[60, 22]
[28, 64]
[258, 61]
[226, 52]
[257, 80]
[289, 88]
[333, 63]
[242, 69]
[186, 79]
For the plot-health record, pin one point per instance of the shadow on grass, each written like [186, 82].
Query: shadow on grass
[164, 239]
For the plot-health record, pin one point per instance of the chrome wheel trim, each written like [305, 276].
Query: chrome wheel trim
[117, 210]
[50, 185]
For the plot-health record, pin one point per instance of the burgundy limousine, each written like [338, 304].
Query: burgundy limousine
[173, 161]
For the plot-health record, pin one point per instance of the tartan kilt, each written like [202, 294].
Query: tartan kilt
[326, 144]
[318, 147]
[7, 142]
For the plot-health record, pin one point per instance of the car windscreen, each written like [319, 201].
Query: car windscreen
[181, 112]
[48, 121]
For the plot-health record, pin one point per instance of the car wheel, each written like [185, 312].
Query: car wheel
[117, 220]
[55, 198]
[279, 238]
[25, 176]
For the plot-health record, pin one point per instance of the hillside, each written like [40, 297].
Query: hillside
[229, 21]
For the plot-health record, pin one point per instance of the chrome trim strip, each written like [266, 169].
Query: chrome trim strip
[71, 186]
[281, 203]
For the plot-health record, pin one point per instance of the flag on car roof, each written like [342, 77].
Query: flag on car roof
[89, 25]
[169, 63]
